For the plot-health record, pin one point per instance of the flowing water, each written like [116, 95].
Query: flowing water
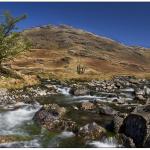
[108, 142]
[17, 121]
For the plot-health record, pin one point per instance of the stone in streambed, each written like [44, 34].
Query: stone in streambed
[55, 109]
[79, 91]
[126, 141]
[87, 106]
[106, 110]
[91, 131]
[52, 117]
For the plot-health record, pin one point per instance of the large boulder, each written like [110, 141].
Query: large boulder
[51, 117]
[91, 131]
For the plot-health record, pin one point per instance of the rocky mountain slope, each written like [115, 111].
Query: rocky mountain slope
[58, 50]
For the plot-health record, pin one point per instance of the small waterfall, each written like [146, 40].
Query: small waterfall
[63, 90]
[66, 134]
[103, 96]
[56, 140]
[86, 98]
[10, 121]
[108, 143]
[127, 90]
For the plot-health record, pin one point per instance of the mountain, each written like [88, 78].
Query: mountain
[58, 50]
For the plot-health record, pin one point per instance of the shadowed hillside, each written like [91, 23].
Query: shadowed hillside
[58, 49]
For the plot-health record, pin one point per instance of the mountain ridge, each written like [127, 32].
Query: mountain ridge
[94, 34]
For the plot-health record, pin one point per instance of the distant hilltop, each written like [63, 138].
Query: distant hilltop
[59, 48]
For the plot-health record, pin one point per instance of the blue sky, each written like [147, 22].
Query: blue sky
[126, 22]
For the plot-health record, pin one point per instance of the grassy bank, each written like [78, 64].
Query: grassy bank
[11, 83]
[30, 80]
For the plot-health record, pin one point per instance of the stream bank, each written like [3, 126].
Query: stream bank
[90, 105]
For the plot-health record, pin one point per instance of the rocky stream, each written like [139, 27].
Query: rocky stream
[114, 113]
